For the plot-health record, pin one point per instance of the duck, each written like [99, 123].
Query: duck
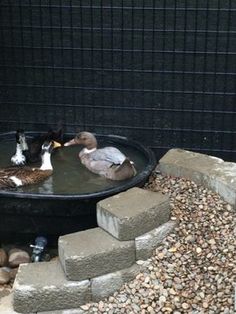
[19, 158]
[108, 162]
[13, 177]
[28, 152]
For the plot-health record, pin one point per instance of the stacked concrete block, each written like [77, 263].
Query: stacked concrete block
[92, 253]
[43, 286]
[206, 170]
[104, 286]
[146, 243]
[132, 213]
[95, 263]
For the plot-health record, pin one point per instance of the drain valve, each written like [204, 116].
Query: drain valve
[38, 249]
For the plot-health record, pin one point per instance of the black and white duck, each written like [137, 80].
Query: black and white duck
[29, 151]
[21, 146]
[18, 176]
[109, 162]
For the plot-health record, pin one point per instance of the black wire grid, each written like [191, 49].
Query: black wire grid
[158, 71]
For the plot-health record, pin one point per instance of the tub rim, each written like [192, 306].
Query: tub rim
[135, 181]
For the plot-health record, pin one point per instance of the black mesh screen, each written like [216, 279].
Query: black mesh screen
[161, 72]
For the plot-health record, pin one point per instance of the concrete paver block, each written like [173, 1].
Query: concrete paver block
[104, 286]
[129, 214]
[93, 252]
[209, 171]
[44, 287]
[146, 243]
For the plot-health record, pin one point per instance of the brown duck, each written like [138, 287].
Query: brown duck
[18, 176]
[109, 162]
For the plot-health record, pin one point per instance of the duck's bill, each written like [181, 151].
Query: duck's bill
[56, 144]
[71, 142]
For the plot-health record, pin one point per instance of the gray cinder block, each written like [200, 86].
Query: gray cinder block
[209, 171]
[44, 287]
[146, 243]
[129, 214]
[92, 253]
[104, 286]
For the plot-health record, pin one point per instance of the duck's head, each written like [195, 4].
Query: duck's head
[48, 146]
[86, 139]
[52, 135]
[21, 140]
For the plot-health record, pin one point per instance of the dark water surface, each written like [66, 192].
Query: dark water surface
[69, 175]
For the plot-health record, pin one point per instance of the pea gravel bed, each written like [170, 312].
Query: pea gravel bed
[194, 270]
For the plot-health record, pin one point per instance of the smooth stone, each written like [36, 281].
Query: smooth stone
[17, 257]
[13, 272]
[3, 258]
[4, 276]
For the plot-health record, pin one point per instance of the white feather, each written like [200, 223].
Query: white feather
[88, 151]
[46, 162]
[17, 181]
[18, 158]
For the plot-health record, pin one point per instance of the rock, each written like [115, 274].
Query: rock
[17, 257]
[3, 293]
[185, 306]
[13, 273]
[85, 307]
[198, 250]
[172, 291]
[173, 249]
[161, 255]
[212, 241]
[4, 276]
[162, 299]
[3, 258]
[205, 305]
[190, 238]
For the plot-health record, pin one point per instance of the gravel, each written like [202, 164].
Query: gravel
[194, 270]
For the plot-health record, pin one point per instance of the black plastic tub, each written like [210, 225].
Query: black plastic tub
[25, 214]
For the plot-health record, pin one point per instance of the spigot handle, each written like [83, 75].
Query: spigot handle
[36, 247]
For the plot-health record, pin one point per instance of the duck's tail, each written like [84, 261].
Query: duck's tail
[126, 170]
[5, 183]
